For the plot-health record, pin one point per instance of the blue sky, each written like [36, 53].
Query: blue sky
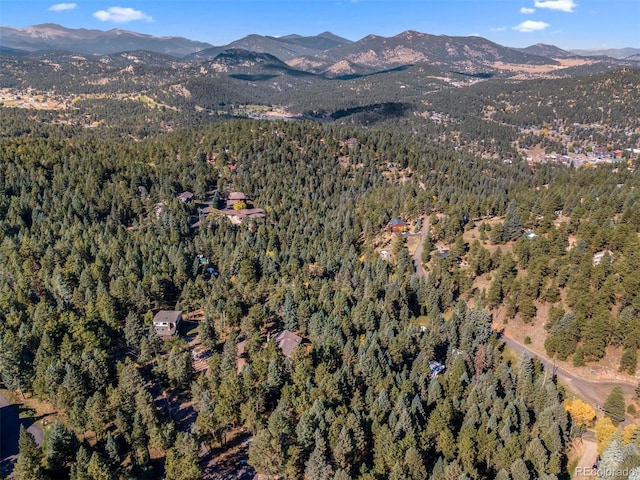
[569, 24]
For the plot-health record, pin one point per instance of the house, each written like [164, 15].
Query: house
[206, 210]
[166, 322]
[287, 342]
[397, 226]
[349, 142]
[436, 368]
[385, 254]
[235, 197]
[597, 257]
[444, 253]
[237, 216]
[186, 197]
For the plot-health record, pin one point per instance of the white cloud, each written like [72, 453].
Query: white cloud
[531, 26]
[561, 5]
[60, 7]
[527, 10]
[498, 29]
[121, 15]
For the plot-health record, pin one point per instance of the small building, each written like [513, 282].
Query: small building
[287, 342]
[385, 254]
[597, 257]
[397, 226]
[349, 142]
[186, 197]
[166, 322]
[436, 368]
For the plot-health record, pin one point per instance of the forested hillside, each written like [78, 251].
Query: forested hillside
[85, 263]
[398, 375]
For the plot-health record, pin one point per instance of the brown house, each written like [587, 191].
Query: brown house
[237, 216]
[235, 197]
[186, 197]
[166, 322]
[287, 342]
[397, 226]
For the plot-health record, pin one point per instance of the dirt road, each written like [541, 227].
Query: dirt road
[584, 469]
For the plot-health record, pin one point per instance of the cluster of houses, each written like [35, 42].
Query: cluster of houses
[166, 324]
[598, 155]
[234, 205]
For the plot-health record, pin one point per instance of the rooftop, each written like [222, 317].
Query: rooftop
[168, 316]
[287, 342]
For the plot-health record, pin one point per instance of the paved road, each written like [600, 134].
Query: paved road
[592, 392]
[9, 432]
[417, 255]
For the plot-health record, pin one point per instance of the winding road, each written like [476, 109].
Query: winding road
[594, 393]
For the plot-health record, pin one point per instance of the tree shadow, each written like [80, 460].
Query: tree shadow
[10, 423]
[371, 114]
[9, 433]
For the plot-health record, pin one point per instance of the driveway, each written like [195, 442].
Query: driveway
[417, 255]
[10, 422]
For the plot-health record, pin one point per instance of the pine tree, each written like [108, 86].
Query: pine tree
[80, 466]
[134, 330]
[182, 459]
[61, 447]
[29, 464]
[629, 360]
[111, 449]
[290, 313]
[519, 470]
[98, 468]
[614, 406]
[317, 467]
[512, 226]
[208, 335]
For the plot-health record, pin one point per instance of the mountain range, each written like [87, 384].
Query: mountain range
[50, 36]
[316, 53]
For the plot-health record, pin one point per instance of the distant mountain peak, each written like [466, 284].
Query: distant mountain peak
[51, 36]
[413, 33]
[545, 50]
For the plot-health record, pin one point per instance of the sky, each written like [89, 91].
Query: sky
[568, 24]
